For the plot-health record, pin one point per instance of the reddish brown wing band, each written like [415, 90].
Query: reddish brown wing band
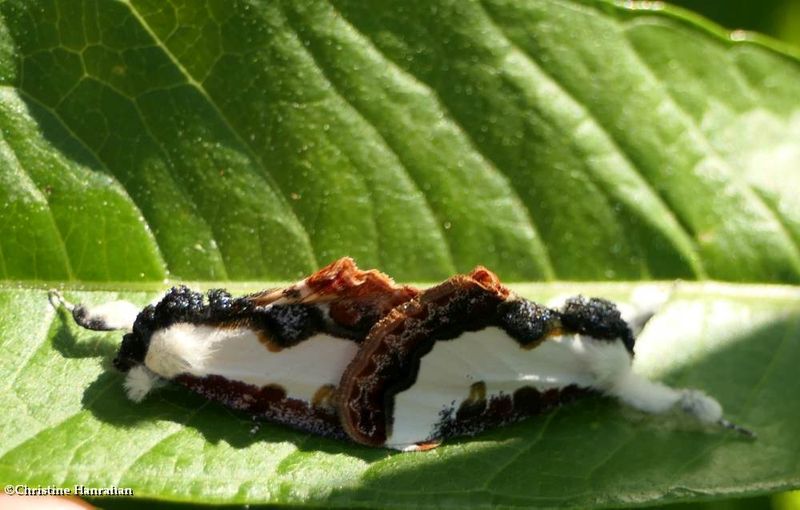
[356, 299]
[388, 362]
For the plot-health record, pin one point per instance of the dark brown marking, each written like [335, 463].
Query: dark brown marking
[477, 391]
[267, 342]
[475, 404]
[288, 325]
[323, 397]
[505, 409]
[292, 293]
[551, 334]
[527, 322]
[528, 399]
[356, 299]
[597, 318]
[555, 331]
[269, 402]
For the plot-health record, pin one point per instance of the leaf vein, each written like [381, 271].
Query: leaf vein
[245, 145]
[401, 165]
[793, 245]
[683, 229]
[521, 452]
[62, 245]
[490, 164]
[118, 186]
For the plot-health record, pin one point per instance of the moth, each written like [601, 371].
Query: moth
[277, 354]
[469, 354]
[347, 353]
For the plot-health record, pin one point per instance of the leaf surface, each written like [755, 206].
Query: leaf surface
[72, 424]
[560, 139]
[550, 140]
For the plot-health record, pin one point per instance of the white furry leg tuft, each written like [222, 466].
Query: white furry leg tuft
[139, 381]
[707, 410]
[643, 394]
[699, 405]
[657, 398]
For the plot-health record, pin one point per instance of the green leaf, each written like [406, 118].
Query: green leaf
[553, 139]
[72, 424]
[146, 141]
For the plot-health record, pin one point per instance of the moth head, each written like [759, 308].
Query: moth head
[130, 359]
[134, 346]
[131, 352]
[139, 379]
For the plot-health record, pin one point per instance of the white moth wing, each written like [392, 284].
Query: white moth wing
[238, 354]
[490, 356]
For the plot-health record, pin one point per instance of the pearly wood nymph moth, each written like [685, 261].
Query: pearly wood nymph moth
[347, 353]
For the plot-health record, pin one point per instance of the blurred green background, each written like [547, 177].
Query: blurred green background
[781, 20]
[778, 18]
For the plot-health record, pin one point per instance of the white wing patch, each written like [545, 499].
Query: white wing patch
[238, 355]
[490, 355]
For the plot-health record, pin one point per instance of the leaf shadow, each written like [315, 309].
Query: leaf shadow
[70, 345]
